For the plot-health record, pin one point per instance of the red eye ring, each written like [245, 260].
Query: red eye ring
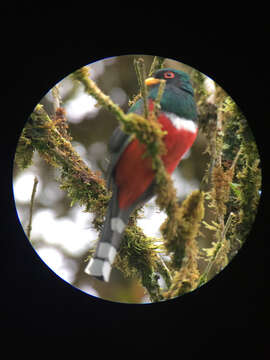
[169, 75]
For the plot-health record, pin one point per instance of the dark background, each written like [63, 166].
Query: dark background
[229, 312]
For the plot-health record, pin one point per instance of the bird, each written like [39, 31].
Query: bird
[130, 175]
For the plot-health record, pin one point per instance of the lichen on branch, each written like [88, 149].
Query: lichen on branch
[234, 180]
[52, 141]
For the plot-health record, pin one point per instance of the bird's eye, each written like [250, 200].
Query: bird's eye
[169, 75]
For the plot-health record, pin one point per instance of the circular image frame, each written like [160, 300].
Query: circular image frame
[224, 184]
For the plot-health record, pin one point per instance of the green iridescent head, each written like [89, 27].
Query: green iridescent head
[178, 93]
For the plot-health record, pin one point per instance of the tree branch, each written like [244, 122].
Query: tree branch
[29, 226]
[51, 140]
[141, 76]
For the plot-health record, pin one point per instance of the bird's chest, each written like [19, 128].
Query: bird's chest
[180, 136]
[134, 172]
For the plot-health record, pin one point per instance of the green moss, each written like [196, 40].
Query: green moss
[24, 151]
[247, 181]
[236, 180]
[200, 92]
[137, 258]
[141, 75]
[180, 230]
[52, 141]
[221, 188]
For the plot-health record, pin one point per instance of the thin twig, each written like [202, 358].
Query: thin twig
[164, 271]
[227, 225]
[156, 64]
[135, 63]
[57, 98]
[236, 158]
[29, 226]
[140, 72]
[204, 276]
[159, 95]
[92, 89]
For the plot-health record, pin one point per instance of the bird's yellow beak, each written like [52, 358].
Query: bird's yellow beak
[151, 81]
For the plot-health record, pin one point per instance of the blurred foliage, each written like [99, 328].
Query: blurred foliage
[224, 160]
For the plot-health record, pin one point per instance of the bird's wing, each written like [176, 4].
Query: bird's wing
[118, 142]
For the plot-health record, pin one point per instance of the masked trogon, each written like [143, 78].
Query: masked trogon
[130, 175]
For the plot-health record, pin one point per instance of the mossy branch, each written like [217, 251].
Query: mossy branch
[141, 76]
[52, 141]
[183, 244]
[156, 64]
[138, 258]
[234, 183]
[92, 89]
[215, 252]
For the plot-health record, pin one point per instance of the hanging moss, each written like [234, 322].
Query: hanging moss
[249, 181]
[221, 180]
[181, 230]
[236, 180]
[60, 122]
[184, 246]
[51, 139]
[137, 257]
[25, 150]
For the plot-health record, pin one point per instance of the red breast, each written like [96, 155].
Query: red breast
[134, 173]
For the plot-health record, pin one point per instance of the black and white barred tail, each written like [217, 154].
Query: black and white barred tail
[101, 263]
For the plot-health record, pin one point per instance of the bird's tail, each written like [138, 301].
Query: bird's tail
[100, 264]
